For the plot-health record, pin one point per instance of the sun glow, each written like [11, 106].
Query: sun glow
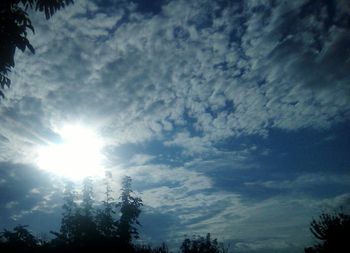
[76, 157]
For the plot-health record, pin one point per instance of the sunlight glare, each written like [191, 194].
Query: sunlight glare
[76, 157]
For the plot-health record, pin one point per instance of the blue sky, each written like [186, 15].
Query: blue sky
[231, 117]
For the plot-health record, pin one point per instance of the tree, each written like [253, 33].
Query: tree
[14, 26]
[105, 221]
[148, 249]
[68, 226]
[18, 240]
[78, 228]
[87, 229]
[199, 244]
[332, 232]
[83, 231]
[87, 204]
[130, 209]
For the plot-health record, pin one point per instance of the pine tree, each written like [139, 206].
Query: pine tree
[18, 240]
[87, 204]
[105, 221]
[68, 222]
[130, 209]
[86, 226]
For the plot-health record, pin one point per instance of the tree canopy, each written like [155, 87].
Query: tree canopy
[130, 211]
[14, 27]
[332, 231]
[18, 239]
[199, 244]
[108, 225]
[111, 226]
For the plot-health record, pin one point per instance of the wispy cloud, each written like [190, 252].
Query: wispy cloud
[150, 75]
[197, 76]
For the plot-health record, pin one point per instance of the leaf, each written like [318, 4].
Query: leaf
[31, 48]
[21, 44]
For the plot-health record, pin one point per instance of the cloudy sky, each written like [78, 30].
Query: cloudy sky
[232, 117]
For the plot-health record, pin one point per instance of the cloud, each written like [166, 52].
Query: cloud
[25, 193]
[278, 223]
[275, 245]
[11, 204]
[340, 203]
[141, 159]
[304, 181]
[304, 81]
[197, 77]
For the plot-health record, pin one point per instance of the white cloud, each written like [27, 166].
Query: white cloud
[305, 180]
[140, 77]
[268, 245]
[141, 159]
[191, 77]
[11, 204]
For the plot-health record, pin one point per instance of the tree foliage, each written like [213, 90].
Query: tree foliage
[332, 231]
[84, 216]
[148, 249]
[199, 244]
[104, 218]
[14, 26]
[20, 239]
[85, 226]
[68, 224]
[89, 227]
[130, 209]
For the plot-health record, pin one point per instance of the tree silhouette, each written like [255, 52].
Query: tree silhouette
[199, 244]
[18, 240]
[148, 249]
[84, 229]
[87, 204]
[68, 226]
[14, 26]
[333, 233]
[78, 227]
[130, 209]
[86, 226]
[104, 218]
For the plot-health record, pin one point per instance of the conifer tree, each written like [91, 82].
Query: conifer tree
[87, 203]
[87, 229]
[105, 221]
[130, 209]
[18, 240]
[68, 222]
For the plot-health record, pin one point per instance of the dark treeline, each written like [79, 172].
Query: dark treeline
[108, 227]
[112, 227]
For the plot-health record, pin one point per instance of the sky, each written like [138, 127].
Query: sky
[231, 117]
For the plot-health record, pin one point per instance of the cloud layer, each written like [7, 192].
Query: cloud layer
[188, 90]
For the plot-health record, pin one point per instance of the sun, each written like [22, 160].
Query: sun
[77, 156]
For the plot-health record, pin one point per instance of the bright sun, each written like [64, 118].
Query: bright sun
[76, 157]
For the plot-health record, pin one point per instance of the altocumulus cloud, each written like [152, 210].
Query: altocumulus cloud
[181, 86]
